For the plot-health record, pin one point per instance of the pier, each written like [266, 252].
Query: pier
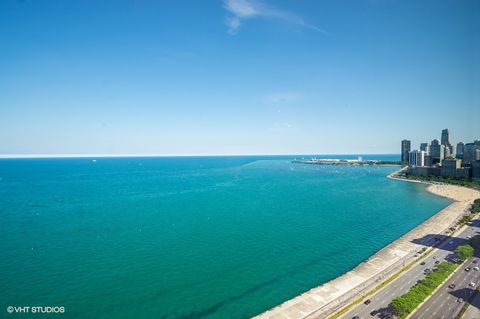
[350, 162]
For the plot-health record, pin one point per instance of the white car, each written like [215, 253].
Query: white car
[472, 284]
[476, 268]
[468, 237]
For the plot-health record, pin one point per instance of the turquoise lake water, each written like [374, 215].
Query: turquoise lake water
[190, 237]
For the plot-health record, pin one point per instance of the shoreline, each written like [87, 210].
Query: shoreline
[325, 300]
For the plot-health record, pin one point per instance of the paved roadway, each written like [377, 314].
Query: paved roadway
[382, 299]
[473, 311]
[444, 304]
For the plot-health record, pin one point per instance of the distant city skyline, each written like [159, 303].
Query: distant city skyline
[236, 77]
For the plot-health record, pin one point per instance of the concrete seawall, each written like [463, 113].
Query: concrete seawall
[325, 300]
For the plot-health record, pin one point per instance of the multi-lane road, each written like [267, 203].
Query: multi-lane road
[380, 302]
[446, 302]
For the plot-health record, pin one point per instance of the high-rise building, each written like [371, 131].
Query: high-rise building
[428, 160]
[460, 147]
[476, 170]
[471, 152]
[406, 144]
[445, 140]
[416, 158]
[437, 151]
[449, 166]
[445, 137]
[446, 152]
[424, 147]
[452, 167]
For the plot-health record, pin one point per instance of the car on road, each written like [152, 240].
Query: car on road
[437, 262]
[460, 300]
[475, 261]
[467, 269]
[451, 242]
[435, 257]
[422, 263]
[451, 286]
[367, 302]
[472, 284]
[476, 268]
[468, 237]
[373, 313]
[355, 317]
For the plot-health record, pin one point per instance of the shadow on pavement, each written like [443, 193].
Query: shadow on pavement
[448, 243]
[475, 301]
[464, 293]
[386, 313]
[474, 223]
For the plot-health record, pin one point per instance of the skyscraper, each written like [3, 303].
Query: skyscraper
[471, 152]
[460, 147]
[416, 158]
[445, 137]
[437, 151]
[446, 141]
[406, 144]
[447, 152]
[424, 147]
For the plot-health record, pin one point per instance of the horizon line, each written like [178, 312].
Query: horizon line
[19, 156]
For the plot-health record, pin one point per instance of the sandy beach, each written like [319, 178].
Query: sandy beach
[326, 299]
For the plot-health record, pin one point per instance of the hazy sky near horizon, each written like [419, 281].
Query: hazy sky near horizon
[236, 76]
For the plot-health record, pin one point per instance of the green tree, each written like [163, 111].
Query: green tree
[464, 252]
[401, 305]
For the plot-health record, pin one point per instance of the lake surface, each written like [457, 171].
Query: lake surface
[190, 237]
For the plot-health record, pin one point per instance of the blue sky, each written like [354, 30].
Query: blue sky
[236, 76]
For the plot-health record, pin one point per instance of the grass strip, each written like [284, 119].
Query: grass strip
[380, 286]
[406, 303]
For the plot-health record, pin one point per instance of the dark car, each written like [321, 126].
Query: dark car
[367, 302]
[355, 317]
[422, 263]
[437, 262]
[373, 313]
[451, 286]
